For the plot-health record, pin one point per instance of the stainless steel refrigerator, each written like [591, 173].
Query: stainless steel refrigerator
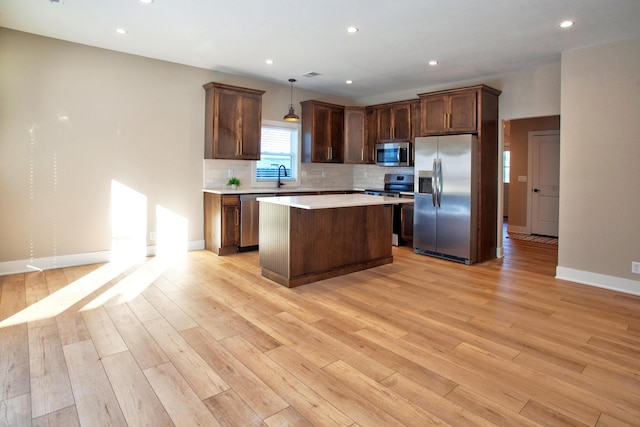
[445, 211]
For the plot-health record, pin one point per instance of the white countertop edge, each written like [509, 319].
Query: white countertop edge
[243, 190]
[331, 201]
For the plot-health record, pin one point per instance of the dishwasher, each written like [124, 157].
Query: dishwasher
[250, 220]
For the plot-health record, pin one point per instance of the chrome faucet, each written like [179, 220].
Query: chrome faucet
[285, 174]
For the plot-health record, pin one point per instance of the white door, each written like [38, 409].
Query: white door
[544, 150]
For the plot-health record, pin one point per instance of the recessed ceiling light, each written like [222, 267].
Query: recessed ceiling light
[566, 24]
[146, 1]
[433, 62]
[352, 30]
[349, 82]
[269, 61]
[121, 31]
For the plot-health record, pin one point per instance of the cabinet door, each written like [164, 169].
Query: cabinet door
[354, 136]
[226, 124]
[433, 110]
[337, 136]
[406, 229]
[321, 133]
[230, 226]
[371, 135]
[385, 123]
[401, 123]
[249, 133]
[462, 112]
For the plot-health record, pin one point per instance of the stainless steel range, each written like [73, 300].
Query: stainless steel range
[394, 184]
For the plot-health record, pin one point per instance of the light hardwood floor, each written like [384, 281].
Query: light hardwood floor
[205, 340]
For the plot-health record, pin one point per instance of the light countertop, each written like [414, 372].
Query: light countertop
[330, 201]
[249, 190]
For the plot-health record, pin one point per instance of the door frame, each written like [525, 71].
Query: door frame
[533, 134]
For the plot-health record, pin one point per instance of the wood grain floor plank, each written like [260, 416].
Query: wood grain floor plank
[180, 401]
[257, 395]
[104, 333]
[14, 361]
[142, 346]
[201, 377]
[94, 397]
[168, 309]
[383, 397]
[417, 341]
[15, 411]
[50, 384]
[67, 417]
[230, 410]
[302, 398]
[139, 403]
[354, 405]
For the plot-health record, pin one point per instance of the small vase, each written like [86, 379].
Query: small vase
[234, 186]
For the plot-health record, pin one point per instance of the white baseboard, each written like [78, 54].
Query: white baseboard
[48, 263]
[599, 280]
[517, 229]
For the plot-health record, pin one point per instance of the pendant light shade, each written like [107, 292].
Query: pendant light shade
[291, 115]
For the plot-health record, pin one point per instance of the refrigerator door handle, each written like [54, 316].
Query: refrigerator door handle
[434, 182]
[439, 182]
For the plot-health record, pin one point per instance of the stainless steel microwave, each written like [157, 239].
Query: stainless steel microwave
[394, 154]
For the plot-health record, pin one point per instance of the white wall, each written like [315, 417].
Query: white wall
[599, 171]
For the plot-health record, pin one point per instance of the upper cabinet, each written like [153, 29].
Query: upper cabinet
[233, 117]
[394, 121]
[452, 111]
[322, 132]
[357, 146]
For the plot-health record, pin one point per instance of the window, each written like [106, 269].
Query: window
[278, 146]
[506, 166]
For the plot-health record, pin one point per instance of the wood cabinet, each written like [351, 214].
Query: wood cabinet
[472, 109]
[394, 121]
[406, 221]
[233, 118]
[221, 223]
[322, 132]
[357, 148]
[453, 111]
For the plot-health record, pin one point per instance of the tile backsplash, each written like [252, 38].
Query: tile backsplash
[312, 175]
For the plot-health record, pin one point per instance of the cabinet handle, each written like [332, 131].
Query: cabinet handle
[241, 148]
[362, 154]
[449, 122]
[329, 153]
[444, 123]
[237, 147]
[237, 216]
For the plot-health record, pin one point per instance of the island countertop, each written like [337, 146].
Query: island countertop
[330, 201]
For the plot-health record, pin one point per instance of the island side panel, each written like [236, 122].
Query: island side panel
[274, 240]
[329, 242]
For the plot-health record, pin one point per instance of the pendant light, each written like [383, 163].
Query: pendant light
[291, 116]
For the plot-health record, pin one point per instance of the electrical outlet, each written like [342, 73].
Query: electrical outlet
[324, 174]
[152, 235]
[635, 267]
[230, 173]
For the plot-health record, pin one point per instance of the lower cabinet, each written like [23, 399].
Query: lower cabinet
[406, 223]
[221, 223]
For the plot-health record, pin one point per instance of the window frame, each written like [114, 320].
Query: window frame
[296, 161]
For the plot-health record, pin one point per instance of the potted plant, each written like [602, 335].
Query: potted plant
[233, 182]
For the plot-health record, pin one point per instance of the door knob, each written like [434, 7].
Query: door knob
[535, 190]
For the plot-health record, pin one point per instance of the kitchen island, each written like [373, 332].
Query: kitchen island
[304, 239]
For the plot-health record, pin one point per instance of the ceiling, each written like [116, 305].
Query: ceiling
[390, 52]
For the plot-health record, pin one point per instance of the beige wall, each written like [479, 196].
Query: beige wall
[599, 170]
[73, 118]
[519, 143]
